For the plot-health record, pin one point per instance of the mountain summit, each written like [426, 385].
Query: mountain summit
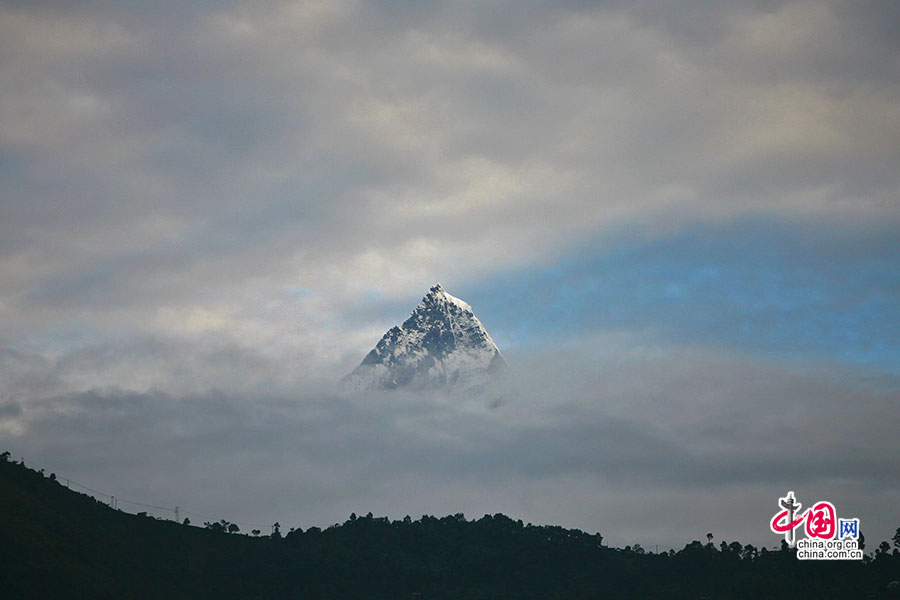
[441, 345]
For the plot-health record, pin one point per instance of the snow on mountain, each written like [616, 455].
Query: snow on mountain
[441, 345]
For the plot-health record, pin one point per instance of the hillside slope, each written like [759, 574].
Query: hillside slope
[55, 543]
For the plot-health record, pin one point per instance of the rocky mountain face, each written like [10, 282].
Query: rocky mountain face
[441, 345]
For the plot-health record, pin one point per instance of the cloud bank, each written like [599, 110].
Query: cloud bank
[678, 222]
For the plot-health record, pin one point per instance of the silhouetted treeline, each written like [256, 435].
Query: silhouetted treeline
[56, 543]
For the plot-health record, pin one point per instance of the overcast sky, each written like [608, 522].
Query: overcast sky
[679, 221]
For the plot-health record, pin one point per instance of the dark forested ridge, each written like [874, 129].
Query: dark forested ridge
[56, 543]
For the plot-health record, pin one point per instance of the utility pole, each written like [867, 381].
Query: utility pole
[177, 520]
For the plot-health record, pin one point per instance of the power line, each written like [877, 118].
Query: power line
[136, 503]
[114, 502]
[82, 486]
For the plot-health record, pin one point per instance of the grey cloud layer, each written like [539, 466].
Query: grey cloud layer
[698, 430]
[345, 146]
[212, 196]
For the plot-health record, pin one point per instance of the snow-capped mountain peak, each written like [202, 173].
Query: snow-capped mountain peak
[441, 344]
[437, 293]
